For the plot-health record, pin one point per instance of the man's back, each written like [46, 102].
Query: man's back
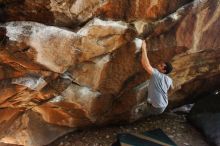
[157, 90]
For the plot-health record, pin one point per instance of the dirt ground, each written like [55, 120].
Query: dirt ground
[174, 125]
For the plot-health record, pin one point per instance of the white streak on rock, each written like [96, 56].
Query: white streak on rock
[83, 95]
[53, 45]
[57, 99]
[97, 22]
[13, 33]
[115, 24]
[102, 61]
[175, 16]
[31, 82]
[87, 92]
[138, 44]
[67, 75]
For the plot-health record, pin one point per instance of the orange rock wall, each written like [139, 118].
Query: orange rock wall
[71, 64]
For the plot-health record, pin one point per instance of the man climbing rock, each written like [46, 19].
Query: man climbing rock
[159, 84]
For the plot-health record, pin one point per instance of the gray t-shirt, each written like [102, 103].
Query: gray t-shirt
[157, 90]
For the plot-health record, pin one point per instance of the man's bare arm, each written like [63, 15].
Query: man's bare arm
[144, 59]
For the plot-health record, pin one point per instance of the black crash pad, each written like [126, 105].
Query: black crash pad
[149, 138]
[205, 115]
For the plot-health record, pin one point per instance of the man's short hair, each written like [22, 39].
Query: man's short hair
[168, 67]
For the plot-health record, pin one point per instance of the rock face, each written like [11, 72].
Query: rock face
[70, 64]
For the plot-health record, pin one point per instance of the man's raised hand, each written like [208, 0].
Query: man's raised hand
[144, 49]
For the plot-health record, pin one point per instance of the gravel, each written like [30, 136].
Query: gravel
[174, 125]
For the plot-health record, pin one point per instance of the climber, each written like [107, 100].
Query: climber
[159, 84]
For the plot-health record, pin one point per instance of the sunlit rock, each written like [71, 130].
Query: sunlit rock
[55, 79]
[57, 48]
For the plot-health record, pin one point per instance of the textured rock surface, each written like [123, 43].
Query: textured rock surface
[74, 12]
[57, 79]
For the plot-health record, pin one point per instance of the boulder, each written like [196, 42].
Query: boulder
[66, 65]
